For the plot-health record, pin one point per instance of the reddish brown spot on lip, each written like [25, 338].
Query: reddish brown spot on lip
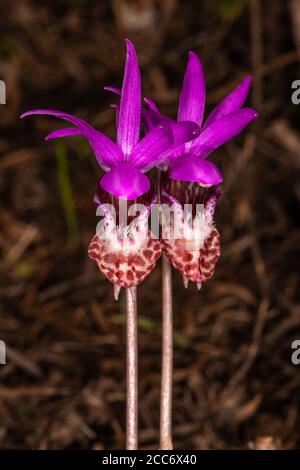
[93, 246]
[110, 258]
[187, 256]
[137, 260]
[130, 275]
[139, 273]
[93, 254]
[188, 267]
[148, 254]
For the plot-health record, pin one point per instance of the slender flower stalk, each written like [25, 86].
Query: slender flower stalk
[165, 438]
[131, 370]
[165, 428]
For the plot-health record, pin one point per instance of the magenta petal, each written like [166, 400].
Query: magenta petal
[147, 153]
[222, 130]
[152, 106]
[125, 181]
[192, 97]
[106, 151]
[147, 120]
[184, 131]
[63, 133]
[113, 89]
[116, 91]
[60, 114]
[197, 170]
[130, 105]
[152, 118]
[232, 102]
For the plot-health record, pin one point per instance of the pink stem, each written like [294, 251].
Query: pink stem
[167, 359]
[131, 370]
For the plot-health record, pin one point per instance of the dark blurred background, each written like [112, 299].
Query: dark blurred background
[235, 386]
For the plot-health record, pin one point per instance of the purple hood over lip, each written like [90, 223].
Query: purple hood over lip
[125, 181]
[193, 169]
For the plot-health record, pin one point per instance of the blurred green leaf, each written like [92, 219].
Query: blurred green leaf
[229, 9]
[66, 193]
[21, 410]
[147, 325]
[180, 340]
[144, 323]
[83, 150]
[7, 47]
[24, 269]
